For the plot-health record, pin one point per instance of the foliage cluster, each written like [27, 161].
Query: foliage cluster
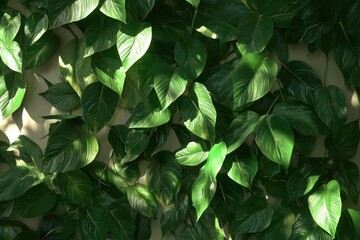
[216, 72]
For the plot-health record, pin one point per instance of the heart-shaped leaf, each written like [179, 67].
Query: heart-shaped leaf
[142, 200]
[114, 9]
[11, 55]
[9, 27]
[193, 154]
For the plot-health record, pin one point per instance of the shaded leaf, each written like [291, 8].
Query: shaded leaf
[35, 26]
[140, 8]
[348, 175]
[29, 151]
[148, 115]
[174, 215]
[93, 224]
[120, 223]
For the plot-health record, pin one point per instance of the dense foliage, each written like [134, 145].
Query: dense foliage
[214, 72]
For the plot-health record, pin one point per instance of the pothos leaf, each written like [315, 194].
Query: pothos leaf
[114, 9]
[142, 200]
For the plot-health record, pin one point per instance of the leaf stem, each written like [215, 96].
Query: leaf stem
[281, 93]
[272, 104]
[193, 21]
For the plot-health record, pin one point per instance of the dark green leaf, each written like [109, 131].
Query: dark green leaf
[158, 137]
[300, 80]
[279, 45]
[195, 3]
[98, 104]
[114, 9]
[148, 115]
[256, 32]
[199, 113]
[29, 151]
[142, 228]
[193, 154]
[120, 223]
[62, 96]
[35, 26]
[352, 19]
[74, 186]
[191, 55]
[275, 139]
[93, 224]
[52, 227]
[281, 228]
[355, 217]
[10, 229]
[348, 175]
[330, 106]
[27, 235]
[343, 144]
[70, 146]
[348, 225]
[325, 206]
[133, 40]
[164, 176]
[16, 181]
[140, 8]
[142, 200]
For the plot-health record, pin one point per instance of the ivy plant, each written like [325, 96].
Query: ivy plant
[215, 73]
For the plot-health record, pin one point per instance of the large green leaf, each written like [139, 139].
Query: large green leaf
[164, 176]
[11, 55]
[191, 55]
[281, 226]
[239, 129]
[301, 117]
[68, 11]
[120, 223]
[352, 19]
[10, 229]
[300, 80]
[9, 27]
[74, 186]
[70, 146]
[35, 26]
[275, 139]
[254, 215]
[199, 113]
[243, 169]
[62, 96]
[256, 32]
[29, 151]
[148, 115]
[348, 227]
[253, 77]
[193, 154]
[114, 9]
[142, 200]
[330, 106]
[109, 72]
[27, 235]
[142, 227]
[169, 84]
[99, 38]
[302, 181]
[16, 181]
[98, 105]
[173, 216]
[325, 206]
[344, 143]
[204, 187]
[35, 202]
[127, 144]
[75, 69]
[348, 175]
[133, 40]
[93, 224]
[140, 8]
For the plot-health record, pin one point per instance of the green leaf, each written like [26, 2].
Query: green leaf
[355, 217]
[345, 142]
[164, 176]
[93, 224]
[35, 202]
[256, 32]
[330, 106]
[16, 181]
[325, 206]
[146, 115]
[253, 77]
[29, 151]
[41, 51]
[300, 80]
[54, 227]
[193, 154]
[101, 38]
[302, 181]
[352, 19]
[74, 186]
[301, 117]
[62, 96]
[9, 27]
[127, 144]
[157, 139]
[243, 170]
[10, 229]
[98, 105]
[70, 146]
[169, 84]
[173, 216]
[348, 175]
[240, 128]
[114, 9]
[254, 215]
[142, 200]
[204, 187]
[120, 223]
[109, 72]
[133, 40]
[194, 3]
[68, 11]
[35, 26]
[306, 228]
[275, 139]
[281, 228]
[199, 113]
[140, 8]
[75, 69]
[27, 235]
[11, 55]
[142, 227]
[191, 55]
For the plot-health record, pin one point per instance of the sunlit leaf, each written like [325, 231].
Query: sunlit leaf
[142, 200]
[11, 55]
[243, 170]
[192, 155]
[114, 9]
[146, 115]
[29, 151]
[9, 27]
[35, 26]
